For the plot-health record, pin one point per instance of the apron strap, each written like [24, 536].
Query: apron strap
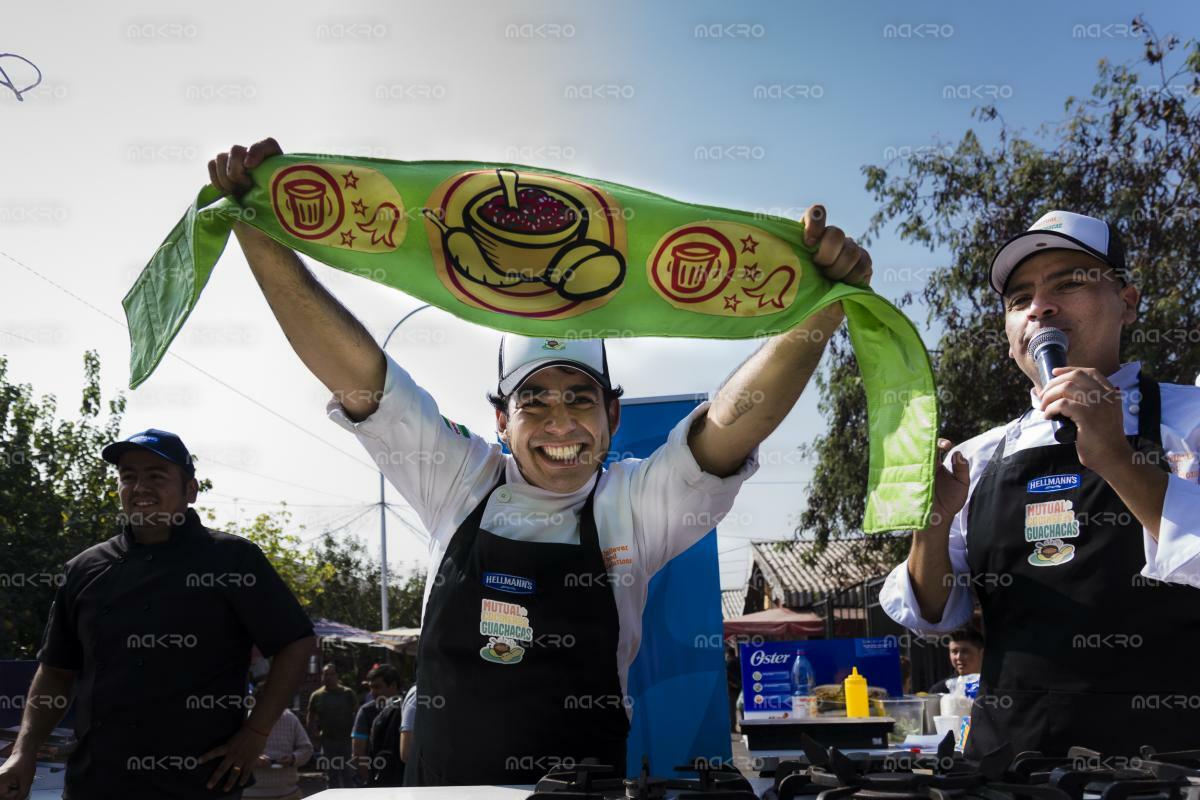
[1149, 410]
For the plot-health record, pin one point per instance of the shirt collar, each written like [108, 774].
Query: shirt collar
[1126, 377]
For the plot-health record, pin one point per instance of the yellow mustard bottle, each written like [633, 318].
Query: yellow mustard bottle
[856, 695]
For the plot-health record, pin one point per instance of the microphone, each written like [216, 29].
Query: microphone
[1049, 349]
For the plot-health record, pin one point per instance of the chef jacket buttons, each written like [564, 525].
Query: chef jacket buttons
[106, 610]
[146, 607]
[120, 559]
[149, 556]
[504, 495]
[139, 662]
[1134, 408]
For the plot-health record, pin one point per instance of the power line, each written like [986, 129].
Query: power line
[335, 525]
[343, 526]
[18, 336]
[196, 367]
[237, 498]
[207, 460]
[420, 533]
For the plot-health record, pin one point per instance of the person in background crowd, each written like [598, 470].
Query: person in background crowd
[151, 631]
[331, 712]
[966, 656]
[384, 680]
[277, 774]
[386, 745]
[408, 718]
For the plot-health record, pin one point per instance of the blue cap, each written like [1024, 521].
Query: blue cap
[163, 444]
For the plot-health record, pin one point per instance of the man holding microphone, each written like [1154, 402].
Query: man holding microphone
[1077, 524]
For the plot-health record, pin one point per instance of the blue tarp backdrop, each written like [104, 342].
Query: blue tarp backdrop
[677, 682]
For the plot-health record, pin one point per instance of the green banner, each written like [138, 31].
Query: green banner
[545, 253]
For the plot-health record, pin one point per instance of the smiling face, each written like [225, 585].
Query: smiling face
[154, 492]
[558, 428]
[1076, 293]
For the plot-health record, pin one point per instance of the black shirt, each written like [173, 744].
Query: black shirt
[161, 637]
[383, 747]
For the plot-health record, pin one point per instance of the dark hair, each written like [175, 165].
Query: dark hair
[500, 401]
[968, 634]
[386, 673]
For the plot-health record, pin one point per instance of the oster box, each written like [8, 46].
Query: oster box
[774, 673]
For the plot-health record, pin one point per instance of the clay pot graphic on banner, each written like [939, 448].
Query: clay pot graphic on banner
[536, 242]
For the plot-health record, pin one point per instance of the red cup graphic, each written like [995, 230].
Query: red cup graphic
[307, 200]
[692, 264]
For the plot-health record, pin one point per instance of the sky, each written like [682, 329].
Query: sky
[763, 106]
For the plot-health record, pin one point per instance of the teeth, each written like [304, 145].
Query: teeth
[563, 453]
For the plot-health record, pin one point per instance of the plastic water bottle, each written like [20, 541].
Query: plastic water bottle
[802, 677]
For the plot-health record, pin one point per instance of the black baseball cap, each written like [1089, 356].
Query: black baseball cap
[163, 444]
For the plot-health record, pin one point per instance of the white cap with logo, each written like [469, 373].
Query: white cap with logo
[1060, 230]
[521, 356]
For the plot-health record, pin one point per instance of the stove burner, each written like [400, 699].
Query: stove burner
[829, 774]
[719, 782]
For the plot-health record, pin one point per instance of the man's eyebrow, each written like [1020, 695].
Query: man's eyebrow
[1052, 276]
[583, 387]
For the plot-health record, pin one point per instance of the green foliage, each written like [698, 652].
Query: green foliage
[57, 497]
[337, 579]
[300, 568]
[1129, 153]
[352, 594]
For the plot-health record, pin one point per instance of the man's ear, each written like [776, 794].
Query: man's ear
[502, 425]
[614, 417]
[1130, 295]
[191, 490]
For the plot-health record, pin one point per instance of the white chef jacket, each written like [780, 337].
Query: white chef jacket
[1175, 557]
[647, 510]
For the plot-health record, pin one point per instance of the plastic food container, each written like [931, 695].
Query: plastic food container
[908, 712]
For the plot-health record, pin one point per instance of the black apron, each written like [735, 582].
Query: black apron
[1080, 649]
[517, 664]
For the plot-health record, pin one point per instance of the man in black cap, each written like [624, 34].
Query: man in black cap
[152, 631]
[1085, 555]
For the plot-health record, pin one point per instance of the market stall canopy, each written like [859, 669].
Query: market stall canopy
[331, 629]
[780, 622]
[402, 640]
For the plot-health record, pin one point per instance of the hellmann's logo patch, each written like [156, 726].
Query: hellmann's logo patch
[513, 584]
[1052, 483]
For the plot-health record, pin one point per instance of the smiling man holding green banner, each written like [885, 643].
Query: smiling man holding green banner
[540, 559]
[550, 552]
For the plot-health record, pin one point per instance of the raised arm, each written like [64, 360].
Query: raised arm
[331, 342]
[760, 393]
